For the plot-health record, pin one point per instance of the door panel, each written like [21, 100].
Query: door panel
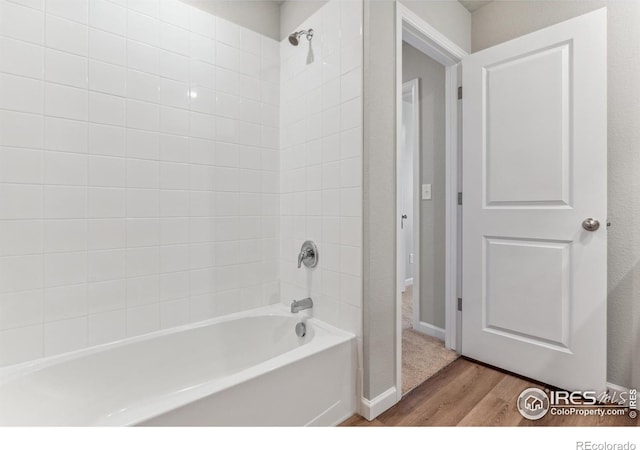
[527, 130]
[534, 167]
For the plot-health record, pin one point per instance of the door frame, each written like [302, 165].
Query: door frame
[417, 32]
[412, 88]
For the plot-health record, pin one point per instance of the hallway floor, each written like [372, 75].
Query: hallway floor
[470, 394]
[422, 355]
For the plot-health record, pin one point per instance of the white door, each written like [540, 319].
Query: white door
[534, 169]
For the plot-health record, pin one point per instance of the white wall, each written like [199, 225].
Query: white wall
[294, 12]
[431, 74]
[138, 171]
[449, 17]
[503, 20]
[321, 164]
[261, 16]
[380, 178]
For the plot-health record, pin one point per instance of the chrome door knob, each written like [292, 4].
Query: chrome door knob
[590, 224]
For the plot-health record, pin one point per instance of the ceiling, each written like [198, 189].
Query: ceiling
[472, 5]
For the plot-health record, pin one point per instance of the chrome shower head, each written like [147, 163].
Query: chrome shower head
[294, 38]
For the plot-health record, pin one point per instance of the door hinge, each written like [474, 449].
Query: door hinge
[459, 92]
[459, 304]
[460, 198]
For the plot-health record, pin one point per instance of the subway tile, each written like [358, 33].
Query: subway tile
[109, 48]
[66, 68]
[65, 235]
[202, 73]
[20, 273]
[108, 16]
[173, 66]
[174, 39]
[143, 28]
[76, 11]
[20, 309]
[107, 327]
[107, 109]
[142, 144]
[106, 203]
[142, 290]
[174, 93]
[107, 78]
[179, 148]
[174, 121]
[21, 201]
[21, 94]
[67, 36]
[21, 237]
[106, 140]
[104, 234]
[143, 232]
[65, 302]
[142, 174]
[203, 49]
[147, 7]
[65, 169]
[66, 102]
[142, 115]
[142, 57]
[65, 336]
[20, 165]
[174, 313]
[62, 269]
[142, 320]
[106, 171]
[143, 86]
[143, 203]
[106, 296]
[202, 23]
[21, 58]
[65, 202]
[227, 32]
[19, 22]
[175, 12]
[65, 135]
[21, 344]
[34, 4]
[106, 265]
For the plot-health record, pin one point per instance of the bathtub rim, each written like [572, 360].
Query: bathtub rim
[14, 371]
[325, 338]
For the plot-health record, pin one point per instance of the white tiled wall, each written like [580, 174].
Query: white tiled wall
[321, 164]
[139, 164]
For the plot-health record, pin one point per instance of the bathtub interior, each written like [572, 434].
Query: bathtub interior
[132, 380]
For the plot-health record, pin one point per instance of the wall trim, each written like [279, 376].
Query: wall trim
[431, 330]
[614, 388]
[408, 282]
[370, 409]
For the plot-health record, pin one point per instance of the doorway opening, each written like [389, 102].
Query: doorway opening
[427, 202]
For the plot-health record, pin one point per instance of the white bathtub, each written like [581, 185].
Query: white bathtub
[246, 369]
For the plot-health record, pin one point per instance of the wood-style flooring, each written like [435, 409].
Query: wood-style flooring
[466, 393]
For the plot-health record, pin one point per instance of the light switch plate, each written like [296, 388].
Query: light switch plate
[426, 192]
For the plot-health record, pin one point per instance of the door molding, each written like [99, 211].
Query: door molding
[420, 34]
[412, 88]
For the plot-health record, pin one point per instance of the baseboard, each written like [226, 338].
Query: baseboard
[408, 282]
[370, 409]
[431, 330]
[616, 392]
